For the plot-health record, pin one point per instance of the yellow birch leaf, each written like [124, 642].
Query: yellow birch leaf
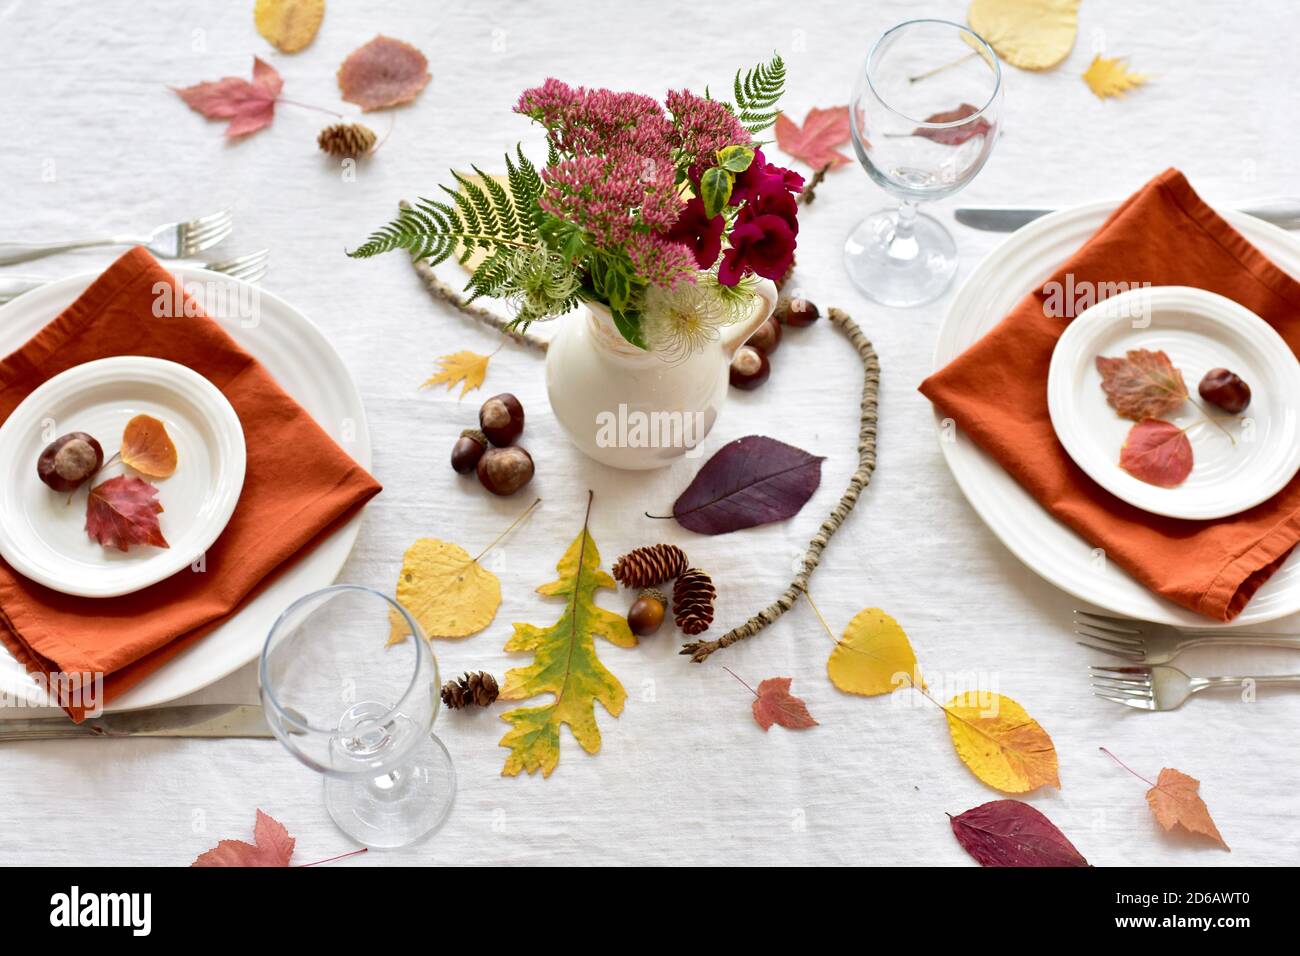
[449, 593]
[1111, 77]
[564, 665]
[873, 657]
[148, 448]
[1030, 34]
[289, 25]
[467, 368]
[1001, 744]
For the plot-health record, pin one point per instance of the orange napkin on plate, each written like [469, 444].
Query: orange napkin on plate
[996, 391]
[298, 487]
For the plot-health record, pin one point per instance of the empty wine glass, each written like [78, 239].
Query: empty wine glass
[350, 687]
[924, 115]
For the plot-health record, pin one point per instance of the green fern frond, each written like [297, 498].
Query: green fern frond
[758, 92]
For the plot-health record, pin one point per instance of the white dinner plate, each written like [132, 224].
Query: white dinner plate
[296, 353]
[1237, 462]
[43, 532]
[1023, 262]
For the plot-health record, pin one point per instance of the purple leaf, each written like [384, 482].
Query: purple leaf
[954, 135]
[752, 481]
[1011, 833]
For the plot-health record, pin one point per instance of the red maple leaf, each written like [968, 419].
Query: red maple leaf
[248, 106]
[274, 847]
[776, 705]
[124, 511]
[815, 142]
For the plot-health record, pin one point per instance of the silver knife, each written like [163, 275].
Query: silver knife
[186, 720]
[1280, 212]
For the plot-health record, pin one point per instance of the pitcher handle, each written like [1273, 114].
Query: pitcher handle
[734, 336]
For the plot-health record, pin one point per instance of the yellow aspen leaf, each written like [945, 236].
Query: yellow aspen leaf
[1111, 77]
[148, 448]
[289, 25]
[1175, 802]
[1000, 743]
[1030, 34]
[448, 592]
[564, 665]
[873, 657]
[467, 368]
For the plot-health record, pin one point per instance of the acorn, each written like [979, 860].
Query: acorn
[647, 612]
[501, 419]
[503, 471]
[768, 336]
[69, 460]
[750, 368]
[796, 312]
[468, 450]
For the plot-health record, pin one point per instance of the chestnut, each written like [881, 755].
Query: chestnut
[468, 450]
[750, 368]
[503, 471]
[1225, 389]
[768, 336]
[69, 460]
[796, 312]
[501, 419]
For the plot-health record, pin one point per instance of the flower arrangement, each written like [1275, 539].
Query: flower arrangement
[663, 213]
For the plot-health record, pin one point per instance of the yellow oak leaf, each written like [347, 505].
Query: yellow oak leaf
[1175, 802]
[564, 665]
[449, 593]
[289, 24]
[1000, 743]
[873, 657]
[467, 368]
[1030, 34]
[1111, 77]
[148, 448]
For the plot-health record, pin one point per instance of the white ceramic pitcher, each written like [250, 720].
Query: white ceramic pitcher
[629, 408]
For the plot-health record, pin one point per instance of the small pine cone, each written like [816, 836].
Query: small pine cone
[346, 139]
[478, 688]
[693, 601]
[648, 566]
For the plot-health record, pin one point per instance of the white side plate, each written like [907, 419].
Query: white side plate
[1247, 460]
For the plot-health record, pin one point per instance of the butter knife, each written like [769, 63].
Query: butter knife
[1280, 212]
[186, 720]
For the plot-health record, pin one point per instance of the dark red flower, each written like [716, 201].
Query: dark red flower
[764, 178]
[779, 203]
[762, 244]
[699, 233]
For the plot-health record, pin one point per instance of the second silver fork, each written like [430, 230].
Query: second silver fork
[1142, 642]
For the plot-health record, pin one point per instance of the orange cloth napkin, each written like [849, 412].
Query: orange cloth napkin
[996, 391]
[299, 485]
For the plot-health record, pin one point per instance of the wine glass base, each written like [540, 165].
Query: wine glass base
[900, 272]
[397, 808]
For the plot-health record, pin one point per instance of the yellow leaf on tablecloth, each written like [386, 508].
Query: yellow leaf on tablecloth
[449, 593]
[289, 24]
[1030, 34]
[564, 665]
[467, 368]
[148, 448]
[873, 657]
[1111, 77]
[1000, 743]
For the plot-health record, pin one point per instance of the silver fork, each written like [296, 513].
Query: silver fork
[250, 268]
[174, 240]
[1145, 643]
[1165, 688]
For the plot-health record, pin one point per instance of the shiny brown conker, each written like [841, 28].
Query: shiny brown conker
[69, 460]
[468, 450]
[768, 336]
[750, 368]
[503, 471]
[501, 419]
[1225, 389]
[796, 312]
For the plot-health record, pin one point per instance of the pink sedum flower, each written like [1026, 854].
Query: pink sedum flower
[660, 261]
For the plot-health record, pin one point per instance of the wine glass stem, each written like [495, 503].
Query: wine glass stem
[902, 244]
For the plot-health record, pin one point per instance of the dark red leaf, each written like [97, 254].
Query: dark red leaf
[124, 511]
[776, 705]
[248, 106]
[954, 135]
[1157, 452]
[751, 481]
[1011, 833]
[274, 847]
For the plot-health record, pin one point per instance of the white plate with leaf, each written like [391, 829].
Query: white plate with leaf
[1177, 400]
[116, 475]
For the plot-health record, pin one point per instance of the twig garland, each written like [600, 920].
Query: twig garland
[809, 192]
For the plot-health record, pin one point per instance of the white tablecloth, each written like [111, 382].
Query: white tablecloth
[95, 141]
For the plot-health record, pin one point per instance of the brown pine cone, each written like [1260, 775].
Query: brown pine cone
[478, 688]
[346, 139]
[645, 567]
[693, 601]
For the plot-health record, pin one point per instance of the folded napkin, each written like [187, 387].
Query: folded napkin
[996, 392]
[298, 487]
